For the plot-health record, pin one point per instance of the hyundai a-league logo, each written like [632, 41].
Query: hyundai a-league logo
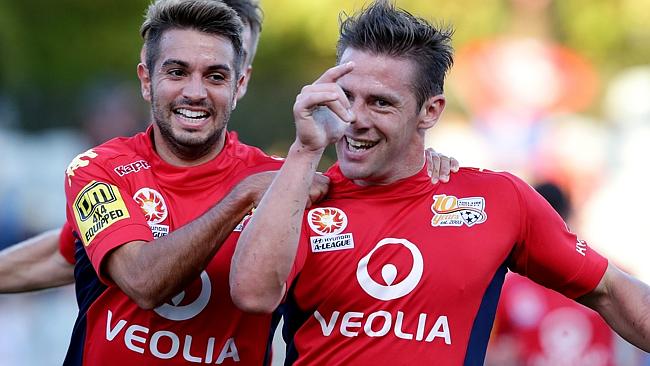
[327, 221]
[390, 290]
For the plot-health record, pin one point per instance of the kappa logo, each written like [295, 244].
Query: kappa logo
[177, 312]
[453, 211]
[327, 220]
[79, 162]
[391, 290]
[133, 167]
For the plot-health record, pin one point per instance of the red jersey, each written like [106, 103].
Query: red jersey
[123, 191]
[66, 243]
[410, 273]
[548, 329]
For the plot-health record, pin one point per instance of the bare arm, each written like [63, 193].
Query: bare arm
[34, 264]
[267, 247]
[624, 303]
[151, 273]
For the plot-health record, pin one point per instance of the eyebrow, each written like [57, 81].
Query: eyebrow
[392, 99]
[183, 64]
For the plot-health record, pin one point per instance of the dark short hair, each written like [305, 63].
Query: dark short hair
[383, 29]
[207, 16]
[251, 14]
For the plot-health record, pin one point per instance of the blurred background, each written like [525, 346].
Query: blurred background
[554, 91]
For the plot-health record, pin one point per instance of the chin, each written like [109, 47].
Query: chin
[353, 172]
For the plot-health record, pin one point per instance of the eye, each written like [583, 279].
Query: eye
[216, 77]
[349, 96]
[382, 103]
[176, 73]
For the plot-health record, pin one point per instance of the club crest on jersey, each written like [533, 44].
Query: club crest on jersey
[98, 206]
[154, 209]
[79, 162]
[329, 223]
[453, 211]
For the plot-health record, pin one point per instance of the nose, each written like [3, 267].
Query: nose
[194, 89]
[360, 119]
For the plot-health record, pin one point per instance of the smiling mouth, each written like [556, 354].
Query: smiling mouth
[355, 145]
[191, 115]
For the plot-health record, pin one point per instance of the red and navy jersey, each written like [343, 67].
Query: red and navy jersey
[66, 242]
[122, 191]
[410, 273]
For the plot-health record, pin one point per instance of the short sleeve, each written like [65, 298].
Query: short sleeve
[100, 209]
[549, 253]
[66, 243]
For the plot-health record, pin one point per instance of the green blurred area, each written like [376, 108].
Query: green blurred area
[51, 50]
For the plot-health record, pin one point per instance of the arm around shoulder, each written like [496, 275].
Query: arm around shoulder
[34, 264]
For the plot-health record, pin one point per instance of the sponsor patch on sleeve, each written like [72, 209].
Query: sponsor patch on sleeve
[98, 206]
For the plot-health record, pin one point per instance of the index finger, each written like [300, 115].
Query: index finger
[334, 73]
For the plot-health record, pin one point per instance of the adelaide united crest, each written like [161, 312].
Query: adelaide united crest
[154, 209]
[327, 220]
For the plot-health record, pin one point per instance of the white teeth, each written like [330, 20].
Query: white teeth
[359, 145]
[191, 114]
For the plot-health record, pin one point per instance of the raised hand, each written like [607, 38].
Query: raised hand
[322, 111]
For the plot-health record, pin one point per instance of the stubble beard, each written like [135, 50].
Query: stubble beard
[186, 147]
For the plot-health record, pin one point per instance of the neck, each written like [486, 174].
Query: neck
[405, 171]
[187, 156]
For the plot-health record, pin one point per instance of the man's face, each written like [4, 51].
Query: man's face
[385, 141]
[192, 90]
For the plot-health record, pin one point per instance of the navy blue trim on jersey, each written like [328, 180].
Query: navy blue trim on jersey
[275, 320]
[480, 333]
[294, 318]
[88, 288]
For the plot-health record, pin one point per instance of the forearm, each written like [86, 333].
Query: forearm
[267, 247]
[151, 273]
[624, 303]
[34, 264]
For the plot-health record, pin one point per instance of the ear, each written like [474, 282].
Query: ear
[145, 81]
[243, 84]
[240, 88]
[431, 111]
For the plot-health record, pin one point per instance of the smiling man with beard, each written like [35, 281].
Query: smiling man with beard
[155, 214]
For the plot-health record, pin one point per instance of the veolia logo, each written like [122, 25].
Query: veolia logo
[177, 312]
[390, 291]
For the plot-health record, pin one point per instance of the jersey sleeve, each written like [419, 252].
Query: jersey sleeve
[66, 243]
[100, 209]
[548, 252]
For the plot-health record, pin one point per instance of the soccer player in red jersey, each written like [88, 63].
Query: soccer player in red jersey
[157, 213]
[389, 269]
